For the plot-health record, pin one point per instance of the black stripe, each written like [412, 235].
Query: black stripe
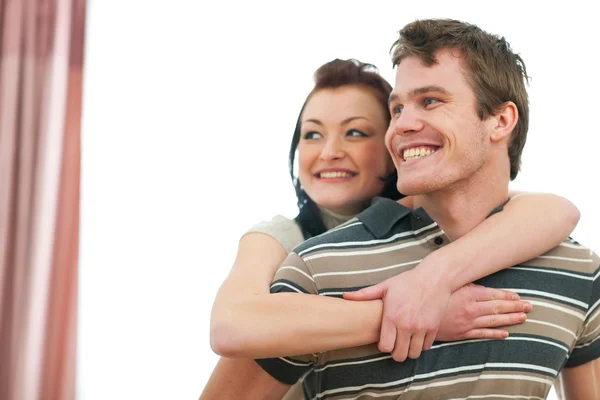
[584, 355]
[511, 278]
[285, 289]
[460, 355]
[282, 371]
[540, 269]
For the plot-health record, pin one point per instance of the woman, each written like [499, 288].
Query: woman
[342, 165]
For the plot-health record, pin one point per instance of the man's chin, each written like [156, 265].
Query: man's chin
[412, 188]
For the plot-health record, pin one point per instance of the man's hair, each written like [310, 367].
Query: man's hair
[495, 73]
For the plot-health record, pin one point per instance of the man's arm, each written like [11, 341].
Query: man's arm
[239, 379]
[579, 383]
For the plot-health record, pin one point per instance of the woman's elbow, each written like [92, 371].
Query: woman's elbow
[572, 215]
[228, 339]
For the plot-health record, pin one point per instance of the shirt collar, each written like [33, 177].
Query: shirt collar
[382, 215]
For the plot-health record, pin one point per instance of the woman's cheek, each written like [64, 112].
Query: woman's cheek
[377, 158]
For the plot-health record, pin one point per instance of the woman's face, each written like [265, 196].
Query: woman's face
[342, 156]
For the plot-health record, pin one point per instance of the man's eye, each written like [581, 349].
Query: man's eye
[429, 101]
[397, 110]
[311, 135]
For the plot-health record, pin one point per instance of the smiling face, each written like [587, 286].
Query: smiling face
[342, 157]
[436, 139]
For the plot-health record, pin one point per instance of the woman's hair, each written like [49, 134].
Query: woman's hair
[335, 74]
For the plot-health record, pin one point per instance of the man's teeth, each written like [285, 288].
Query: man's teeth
[414, 153]
[333, 175]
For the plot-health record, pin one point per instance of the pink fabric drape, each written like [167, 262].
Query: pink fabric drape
[41, 61]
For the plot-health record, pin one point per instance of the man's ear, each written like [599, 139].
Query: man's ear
[504, 122]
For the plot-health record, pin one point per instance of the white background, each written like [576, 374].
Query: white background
[189, 108]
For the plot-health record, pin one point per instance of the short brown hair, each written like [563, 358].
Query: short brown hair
[496, 74]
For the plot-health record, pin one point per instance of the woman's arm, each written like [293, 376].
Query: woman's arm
[530, 225]
[415, 302]
[247, 321]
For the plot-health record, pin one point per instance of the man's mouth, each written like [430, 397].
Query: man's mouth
[413, 153]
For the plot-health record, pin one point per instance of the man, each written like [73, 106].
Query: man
[459, 125]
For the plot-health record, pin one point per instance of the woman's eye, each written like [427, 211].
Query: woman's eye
[355, 133]
[311, 135]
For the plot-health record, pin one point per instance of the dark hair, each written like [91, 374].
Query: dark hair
[335, 74]
[495, 73]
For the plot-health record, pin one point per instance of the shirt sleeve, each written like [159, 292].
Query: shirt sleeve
[285, 231]
[587, 347]
[293, 276]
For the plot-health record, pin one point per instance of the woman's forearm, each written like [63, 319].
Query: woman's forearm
[286, 324]
[530, 225]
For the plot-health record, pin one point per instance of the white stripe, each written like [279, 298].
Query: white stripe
[495, 376]
[595, 315]
[367, 271]
[331, 293]
[446, 344]
[351, 363]
[535, 321]
[295, 363]
[587, 278]
[572, 245]
[589, 334]
[373, 251]
[373, 394]
[565, 348]
[337, 228]
[433, 384]
[585, 260]
[369, 242]
[498, 396]
[592, 309]
[341, 228]
[286, 285]
[524, 366]
[550, 295]
[298, 270]
[514, 338]
[579, 315]
[587, 344]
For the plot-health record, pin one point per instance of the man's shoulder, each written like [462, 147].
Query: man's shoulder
[570, 256]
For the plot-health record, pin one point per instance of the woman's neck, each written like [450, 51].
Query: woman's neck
[331, 219]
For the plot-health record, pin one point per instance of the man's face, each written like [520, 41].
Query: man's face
[435, 137]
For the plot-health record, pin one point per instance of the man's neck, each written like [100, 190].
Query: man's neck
[466, 204]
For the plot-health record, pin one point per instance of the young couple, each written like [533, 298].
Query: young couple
[449, 135]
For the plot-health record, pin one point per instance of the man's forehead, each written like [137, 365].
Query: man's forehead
[413, 77]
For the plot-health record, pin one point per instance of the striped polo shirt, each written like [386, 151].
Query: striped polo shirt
[388, 239]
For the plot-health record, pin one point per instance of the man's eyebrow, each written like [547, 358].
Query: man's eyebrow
[429, 89]
[421, 90]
